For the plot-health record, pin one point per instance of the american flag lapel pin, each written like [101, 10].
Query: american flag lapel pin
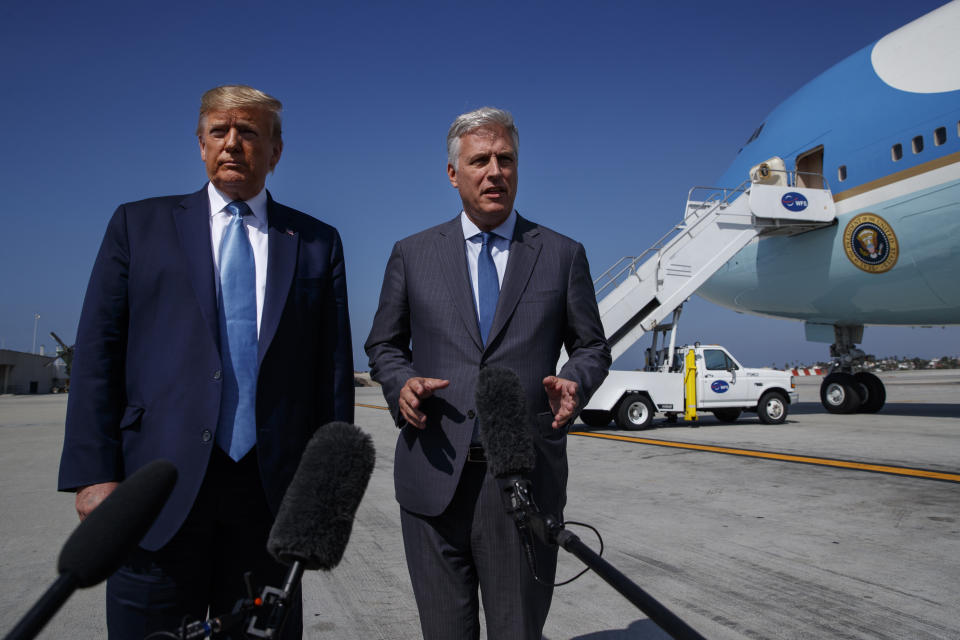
[290, 232]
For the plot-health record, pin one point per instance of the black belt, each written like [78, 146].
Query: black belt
[476, 454]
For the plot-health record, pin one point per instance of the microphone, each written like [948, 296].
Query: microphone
[502, 412]
[316, 515]
[315, 518]
[98, 545]
[510, 452]
[503, 418]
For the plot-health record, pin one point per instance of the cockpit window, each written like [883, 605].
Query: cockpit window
[756, 133]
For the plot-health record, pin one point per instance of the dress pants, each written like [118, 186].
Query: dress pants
[475, 543]
[200, 571]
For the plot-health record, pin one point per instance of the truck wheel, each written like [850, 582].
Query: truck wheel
[772, 408]
[727, 415]
[839, 393]
[595, 418]
[635, 412]
[873, 395]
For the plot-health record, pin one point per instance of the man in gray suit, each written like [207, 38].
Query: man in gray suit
[488, 288]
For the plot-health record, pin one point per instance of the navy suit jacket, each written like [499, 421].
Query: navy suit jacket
[426, 325]
[146, 378]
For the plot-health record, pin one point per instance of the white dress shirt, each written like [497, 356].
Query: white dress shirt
[256, 226]
[499, 249]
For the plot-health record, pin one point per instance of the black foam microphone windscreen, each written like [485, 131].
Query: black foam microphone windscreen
[503, 422]
[316, 516]
[99, 544]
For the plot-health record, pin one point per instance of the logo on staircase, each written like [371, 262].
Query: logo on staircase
[870, 243]
[794, 201]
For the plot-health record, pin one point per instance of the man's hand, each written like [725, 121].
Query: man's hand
[89, 497]
[413, 393]
[562, 394]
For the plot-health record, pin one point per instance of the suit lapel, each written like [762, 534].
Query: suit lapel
[192, 220]
[283, 243]
[453, 262]
[524, 250]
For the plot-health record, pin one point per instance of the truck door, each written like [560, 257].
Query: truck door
[720, 382]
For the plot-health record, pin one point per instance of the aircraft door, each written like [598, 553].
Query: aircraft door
[721, 381]
[810, 169]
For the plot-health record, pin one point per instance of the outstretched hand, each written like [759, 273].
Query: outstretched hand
[414, 391]
[562, 394]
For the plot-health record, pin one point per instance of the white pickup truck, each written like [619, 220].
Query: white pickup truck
[699, 377]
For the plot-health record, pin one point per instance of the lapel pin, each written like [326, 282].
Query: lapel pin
[290, 232]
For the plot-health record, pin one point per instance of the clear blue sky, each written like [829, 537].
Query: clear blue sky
[622, 107]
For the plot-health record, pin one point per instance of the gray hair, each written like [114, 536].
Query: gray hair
[482, 117]
[240, 96]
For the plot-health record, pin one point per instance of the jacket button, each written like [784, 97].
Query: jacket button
[471, 414]
[216, 374]
[206, 435]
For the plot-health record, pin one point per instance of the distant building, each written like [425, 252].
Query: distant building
[30, 373]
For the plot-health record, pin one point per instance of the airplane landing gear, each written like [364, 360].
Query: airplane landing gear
[873, 395]
[847, 389]
[839, 393]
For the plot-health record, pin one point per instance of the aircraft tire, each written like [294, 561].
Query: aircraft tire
[773, 408]
[873, 395]
[839, 393]
[728, 415]
[635, 412]
[595, 418]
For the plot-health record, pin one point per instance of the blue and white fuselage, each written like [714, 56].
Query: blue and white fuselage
[883, 127]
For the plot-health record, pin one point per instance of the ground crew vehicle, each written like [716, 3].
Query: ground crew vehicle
[687, 379]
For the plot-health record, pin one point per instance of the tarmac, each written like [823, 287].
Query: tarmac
[824, 527]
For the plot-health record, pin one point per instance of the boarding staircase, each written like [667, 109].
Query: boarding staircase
[638, 293]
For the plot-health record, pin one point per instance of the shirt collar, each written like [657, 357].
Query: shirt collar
[505, 230]
[257, 204]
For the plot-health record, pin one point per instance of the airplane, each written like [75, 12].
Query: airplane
[881, 131]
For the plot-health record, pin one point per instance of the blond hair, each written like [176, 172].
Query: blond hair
[240, 96]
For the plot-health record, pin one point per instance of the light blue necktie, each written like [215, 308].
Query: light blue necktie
[488, 285]
[237, 427]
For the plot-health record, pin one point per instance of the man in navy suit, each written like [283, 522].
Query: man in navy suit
[214, 334]
[488, 288]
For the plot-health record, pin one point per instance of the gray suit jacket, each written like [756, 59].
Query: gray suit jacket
[426, 325]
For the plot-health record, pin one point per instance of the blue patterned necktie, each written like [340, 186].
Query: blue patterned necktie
[488, 285]
[237, 427]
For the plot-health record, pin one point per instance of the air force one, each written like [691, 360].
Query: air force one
[847, 213]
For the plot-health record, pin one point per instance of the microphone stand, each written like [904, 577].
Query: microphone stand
[276, 603]
[263, 616]
[520, 505]
[40, 613]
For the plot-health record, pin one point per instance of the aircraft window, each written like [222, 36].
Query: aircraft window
[917, 144]
[940, 136]
[842, 172]
[896, 152]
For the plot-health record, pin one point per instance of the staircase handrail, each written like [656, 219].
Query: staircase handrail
[630, 263]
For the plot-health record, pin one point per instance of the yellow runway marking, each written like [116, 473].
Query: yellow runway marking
[371, 406]
[768, 455]
[824, 462]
